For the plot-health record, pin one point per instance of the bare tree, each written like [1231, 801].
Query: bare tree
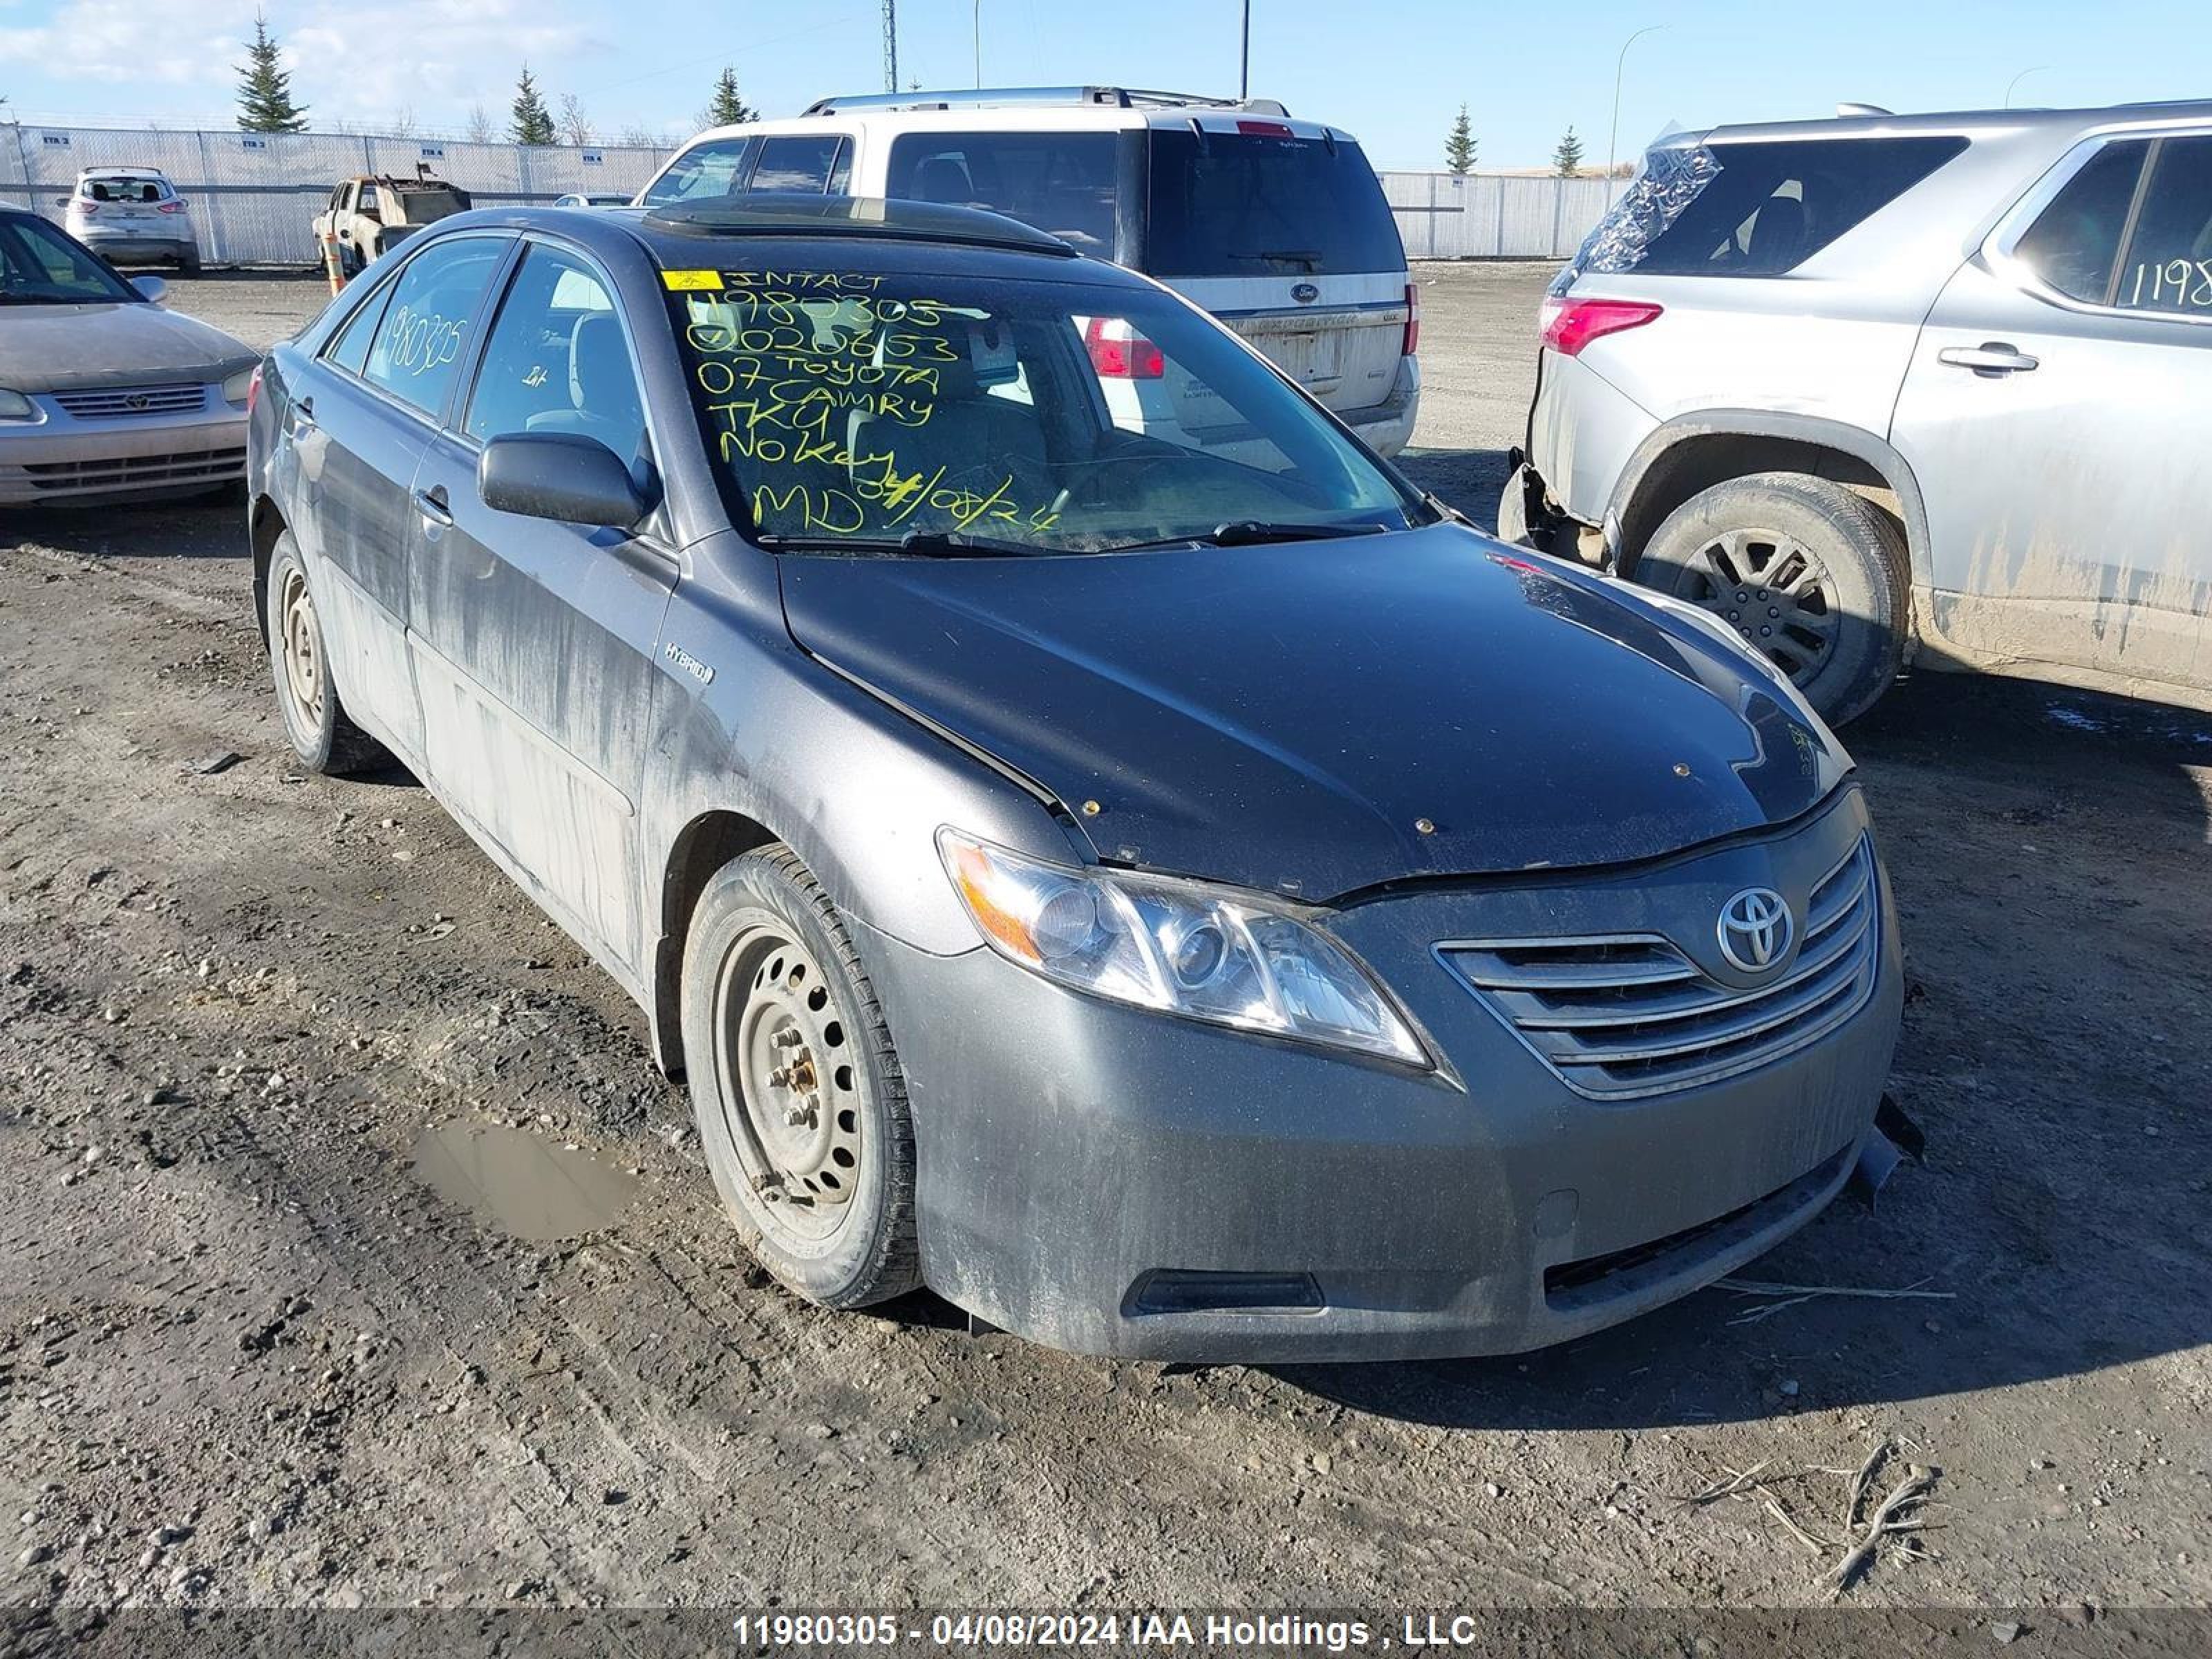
[640, 137]
[479, 127]
[403, 125]
[576, 125]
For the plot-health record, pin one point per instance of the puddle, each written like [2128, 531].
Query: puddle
[521, 1184]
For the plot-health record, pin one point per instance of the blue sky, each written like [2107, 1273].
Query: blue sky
[1395, 73]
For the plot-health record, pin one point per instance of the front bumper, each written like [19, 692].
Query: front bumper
[1109, 1180]
[63, 459]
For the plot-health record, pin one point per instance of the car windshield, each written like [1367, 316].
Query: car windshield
[38, 265]
[946, 415]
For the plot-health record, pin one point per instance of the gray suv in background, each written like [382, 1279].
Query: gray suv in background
[1894, 389]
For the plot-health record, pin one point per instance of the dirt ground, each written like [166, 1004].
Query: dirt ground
[249, 1356]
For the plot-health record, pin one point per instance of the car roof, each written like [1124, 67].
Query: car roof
[1030, 109]
[122, 172]
[1972, 123]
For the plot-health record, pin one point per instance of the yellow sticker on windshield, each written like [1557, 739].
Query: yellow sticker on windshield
[688, 281]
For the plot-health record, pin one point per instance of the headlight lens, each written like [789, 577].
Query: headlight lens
[234, 389]
[15, 406]
[1171, 947]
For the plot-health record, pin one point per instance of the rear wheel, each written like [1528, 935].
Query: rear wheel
[322, 736]
[1803, 570]
[800, 1102]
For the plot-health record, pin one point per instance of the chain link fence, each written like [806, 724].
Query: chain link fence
[252, 195]
[1490, 216]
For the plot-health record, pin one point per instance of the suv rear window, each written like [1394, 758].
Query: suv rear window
[2119, 236]
[1753, 208]
[1063, 183]
[1251, 204]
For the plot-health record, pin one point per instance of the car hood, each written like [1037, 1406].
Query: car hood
[1318, 717]
[70, 347]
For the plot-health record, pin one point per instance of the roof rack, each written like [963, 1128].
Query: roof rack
[1001, 97]
[803, 214]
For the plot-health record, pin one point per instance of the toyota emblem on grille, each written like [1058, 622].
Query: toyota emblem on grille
[136, 400]
[1754, 929]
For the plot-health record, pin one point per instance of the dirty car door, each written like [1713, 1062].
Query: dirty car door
[2076, 347]
[533, 640]
[360, 423]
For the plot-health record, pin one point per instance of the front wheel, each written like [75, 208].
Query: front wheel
[801, 1101]
[1804, 570]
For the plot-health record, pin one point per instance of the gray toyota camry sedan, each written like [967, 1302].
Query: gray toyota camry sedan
[1178, 892]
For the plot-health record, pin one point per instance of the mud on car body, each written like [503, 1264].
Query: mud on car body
[1170, 901]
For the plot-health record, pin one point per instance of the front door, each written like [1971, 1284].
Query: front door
[361, 421]
[2055, 419]
[533, 640]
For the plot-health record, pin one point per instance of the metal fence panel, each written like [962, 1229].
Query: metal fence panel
[1493, 215]
[251, 196]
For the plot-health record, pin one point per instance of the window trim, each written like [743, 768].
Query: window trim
[416, 247]
[2000, 249]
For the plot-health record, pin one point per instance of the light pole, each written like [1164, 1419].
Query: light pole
[1613, 136]
[979, 45]
[1244, 62]
[2015, 81]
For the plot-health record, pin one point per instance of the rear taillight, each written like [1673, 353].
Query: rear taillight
[1412, 322]
[86, 207]
[1118, 352]
[1571, 324]
[253, 389]
[175, 206]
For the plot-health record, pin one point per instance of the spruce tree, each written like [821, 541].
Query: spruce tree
[1458, 146]
[725, 108]
[533, 122]
[1568, 157]
[264, 88]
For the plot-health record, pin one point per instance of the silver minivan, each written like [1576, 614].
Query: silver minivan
[1887, 389]
[1277, 226]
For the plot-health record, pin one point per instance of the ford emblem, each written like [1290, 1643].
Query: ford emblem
[1305, 294]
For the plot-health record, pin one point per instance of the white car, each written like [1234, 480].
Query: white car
[1278, 226]
[130, 216]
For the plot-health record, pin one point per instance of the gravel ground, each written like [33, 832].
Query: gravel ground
[248, 1357]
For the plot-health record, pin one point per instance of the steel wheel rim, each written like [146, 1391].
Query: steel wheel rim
[1774, 592]
[790, 1083]
[300, 649]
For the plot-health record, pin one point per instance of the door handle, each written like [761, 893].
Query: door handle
[303, 410]
[1989, 359]
[431, 503]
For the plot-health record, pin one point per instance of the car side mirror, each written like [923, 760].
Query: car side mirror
[150, 288]
[560, 476]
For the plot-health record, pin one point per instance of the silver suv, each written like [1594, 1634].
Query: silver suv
[1886, 389]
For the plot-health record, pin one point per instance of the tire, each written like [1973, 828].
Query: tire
[1805, 570]
[824, 1199]
[314, 717]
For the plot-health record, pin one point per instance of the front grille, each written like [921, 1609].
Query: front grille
[1629, 1015]
[118, 402]
[210, 466]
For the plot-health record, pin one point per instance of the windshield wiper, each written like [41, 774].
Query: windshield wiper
[1245, 533]
[939, 544]
[1290, 256]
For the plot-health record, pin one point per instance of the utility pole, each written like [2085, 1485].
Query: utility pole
[891, 45]
[979, 45]
[1244, 61]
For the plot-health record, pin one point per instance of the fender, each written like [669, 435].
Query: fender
[1838, 435]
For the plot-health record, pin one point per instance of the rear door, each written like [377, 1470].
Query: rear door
[533, 641]
[360, 422]
[1281, 229]
[2074, 351]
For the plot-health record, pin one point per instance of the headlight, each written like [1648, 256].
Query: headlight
[15, 406]
[234, 389]
[1174, 947]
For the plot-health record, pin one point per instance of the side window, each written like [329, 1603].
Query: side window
[369, 199]
[556, 360]
[1062, 182]
[801, 162]
[349, 351]
[704, 172]
[2074, 243]
[2169, 264]
[423, 333]
[841, 175]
